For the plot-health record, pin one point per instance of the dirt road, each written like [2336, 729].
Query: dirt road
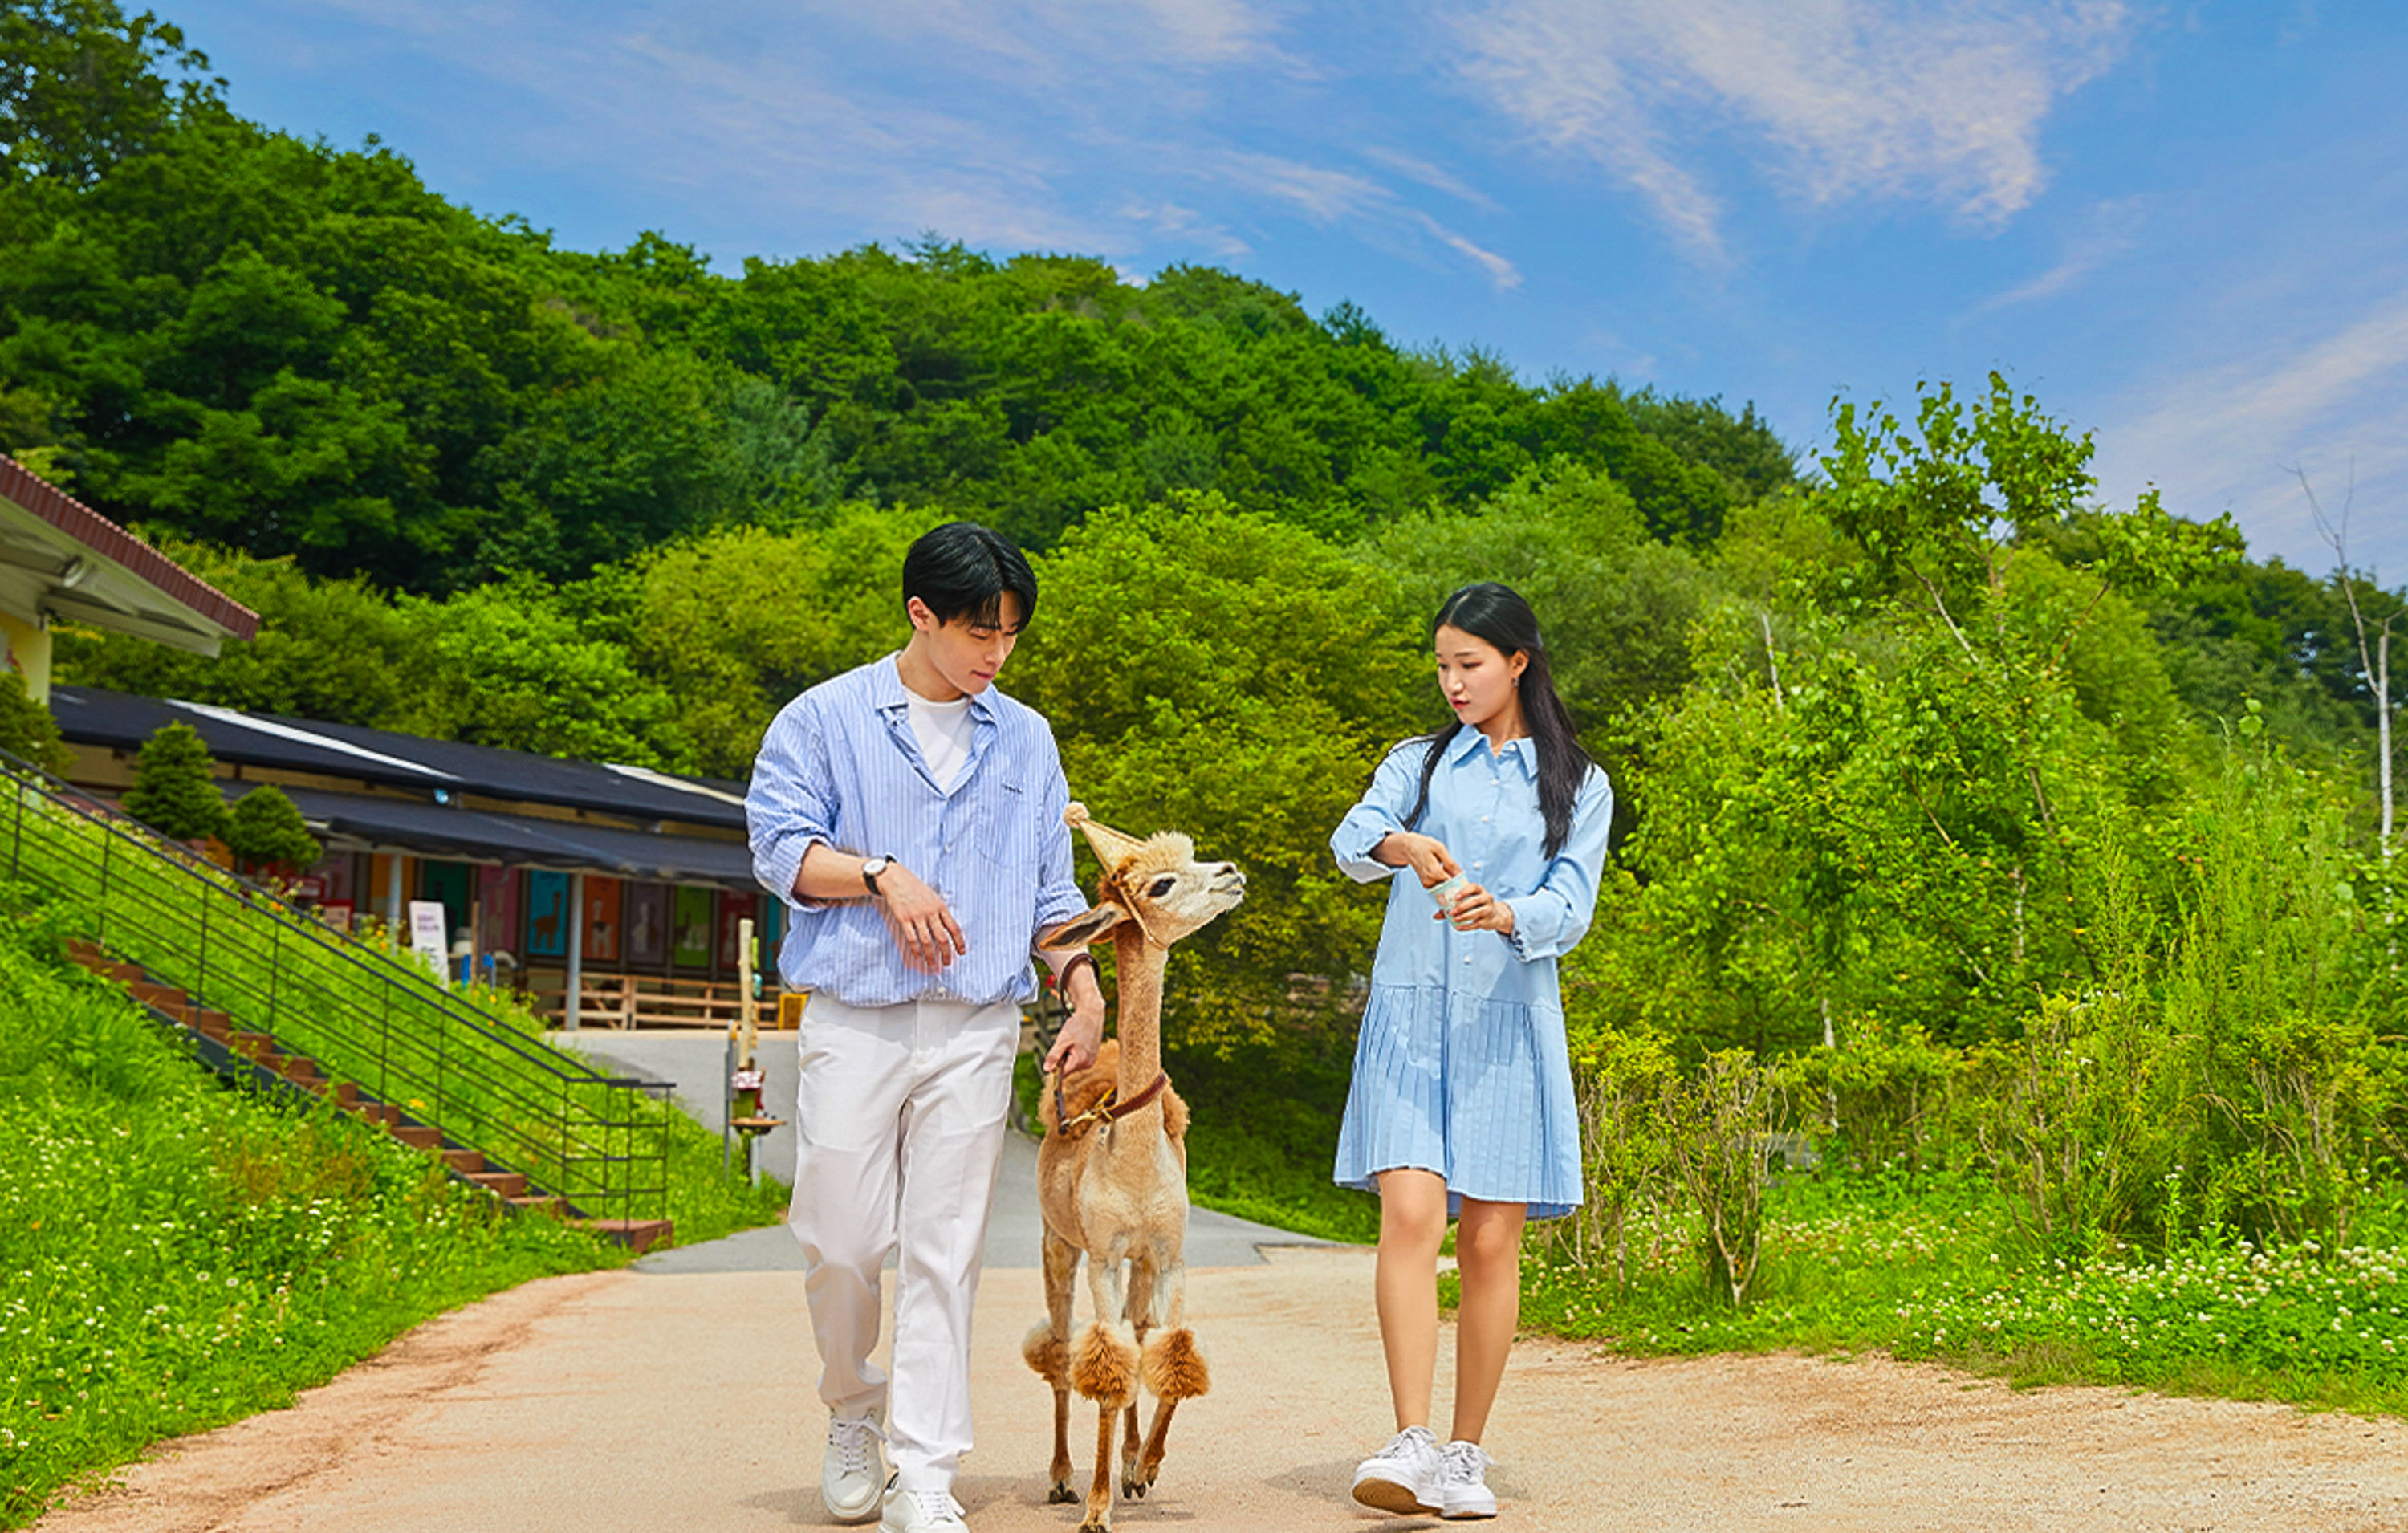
[680, 1400]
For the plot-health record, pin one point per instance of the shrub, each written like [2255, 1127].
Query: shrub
[265, 832]
[175, 789]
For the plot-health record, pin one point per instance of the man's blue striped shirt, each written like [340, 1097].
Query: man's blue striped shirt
[841, 764]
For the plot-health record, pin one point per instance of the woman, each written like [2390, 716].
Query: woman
[1462, 1099]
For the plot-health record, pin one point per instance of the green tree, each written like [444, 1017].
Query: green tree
[267, 833]
[1225, 674]
[27, 730]
[83, 85]
[175, 789]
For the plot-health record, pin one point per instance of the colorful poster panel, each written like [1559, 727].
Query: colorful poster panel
[546, 928]
[648, 925]
[449, 882]
[690, 937]
[497, 911]
[602, 929]
[733, 910]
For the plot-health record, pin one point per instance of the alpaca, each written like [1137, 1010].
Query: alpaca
[1112, 1174]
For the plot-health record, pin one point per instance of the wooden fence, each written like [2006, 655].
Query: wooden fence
[650, 1000]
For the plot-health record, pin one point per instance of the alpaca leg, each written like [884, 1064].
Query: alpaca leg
[1100, 1493]
[1048, 1351]
[1172, 1367]
[1140, 1315]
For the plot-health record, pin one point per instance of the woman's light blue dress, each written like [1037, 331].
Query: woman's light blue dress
[1461, 1065]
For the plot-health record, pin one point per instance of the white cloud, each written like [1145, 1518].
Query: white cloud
[2228, 439]
[2112, 229]
[1836, 99]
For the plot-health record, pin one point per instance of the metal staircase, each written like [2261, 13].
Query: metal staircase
[269, 994]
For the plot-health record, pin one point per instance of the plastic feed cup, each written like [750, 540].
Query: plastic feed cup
[1445, 891]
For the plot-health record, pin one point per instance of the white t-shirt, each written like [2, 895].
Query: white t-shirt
[944, 731]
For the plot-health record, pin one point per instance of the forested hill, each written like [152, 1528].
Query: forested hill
[280, 346]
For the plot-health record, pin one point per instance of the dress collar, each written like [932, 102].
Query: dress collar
[1468, 740]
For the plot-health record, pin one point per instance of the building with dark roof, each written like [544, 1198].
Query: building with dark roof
[635, 882]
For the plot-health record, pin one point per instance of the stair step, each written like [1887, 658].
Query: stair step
[166, 998]
[637, 1235]
[84, 950]
[254, 1046]
[302, 1071]
[535, 1203]
[416, 1136]
[465, 1162]
[210, 1022]
[501, 1183]
[346, 1093]
[377, 1112]
[109, 968]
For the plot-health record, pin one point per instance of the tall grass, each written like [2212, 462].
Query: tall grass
[175, 1254]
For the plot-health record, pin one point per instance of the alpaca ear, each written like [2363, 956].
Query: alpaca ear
[1080, 930]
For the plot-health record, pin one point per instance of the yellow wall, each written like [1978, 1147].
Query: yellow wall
[29, 650]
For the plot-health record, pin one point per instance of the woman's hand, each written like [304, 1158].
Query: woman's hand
[1427, 856]
[1478, 910]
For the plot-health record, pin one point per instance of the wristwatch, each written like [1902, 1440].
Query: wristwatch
[871, 869]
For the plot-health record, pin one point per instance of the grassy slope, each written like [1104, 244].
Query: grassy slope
[175, 1254]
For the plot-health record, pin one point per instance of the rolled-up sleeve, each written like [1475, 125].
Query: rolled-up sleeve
[792, 801]
[1380, 813]
[1550, 921]
[1057, 884]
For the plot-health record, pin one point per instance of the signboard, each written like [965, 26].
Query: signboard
[430, 938]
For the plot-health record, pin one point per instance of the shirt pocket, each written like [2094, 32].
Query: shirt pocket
[1007, 837]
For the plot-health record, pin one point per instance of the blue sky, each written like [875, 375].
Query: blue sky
[2184, 226]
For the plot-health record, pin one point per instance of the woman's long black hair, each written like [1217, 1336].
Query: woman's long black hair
[1498, 615]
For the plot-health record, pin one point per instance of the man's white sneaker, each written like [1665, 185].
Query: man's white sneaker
[1463, 1481]
[921, 1512]
[852, 1471]
[1402, 1477]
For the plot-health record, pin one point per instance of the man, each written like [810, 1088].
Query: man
[911, 818]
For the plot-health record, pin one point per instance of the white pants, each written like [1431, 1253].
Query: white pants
[899, 1131]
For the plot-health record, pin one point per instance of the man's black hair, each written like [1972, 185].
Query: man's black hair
[962, 569]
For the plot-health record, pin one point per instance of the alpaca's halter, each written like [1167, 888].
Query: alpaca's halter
[1107, 1111]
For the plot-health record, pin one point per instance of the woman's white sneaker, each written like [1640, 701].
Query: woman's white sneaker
[852, 1471]
[1402, 1477]
[1463, 1481]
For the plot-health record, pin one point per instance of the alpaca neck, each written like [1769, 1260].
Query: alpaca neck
[1138, 968]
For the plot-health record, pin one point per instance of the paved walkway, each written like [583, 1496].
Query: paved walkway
[681, 1401]
[676, 1395]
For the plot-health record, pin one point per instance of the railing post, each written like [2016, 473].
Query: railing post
[384, 1046]
[108, 840]
[17, 841]
[201, 980]
[275, 968]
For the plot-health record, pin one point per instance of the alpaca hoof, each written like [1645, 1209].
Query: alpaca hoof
[1060, 1495]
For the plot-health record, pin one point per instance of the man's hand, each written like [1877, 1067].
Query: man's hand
[924, 927]
[1083, 1033]
[1427, 856]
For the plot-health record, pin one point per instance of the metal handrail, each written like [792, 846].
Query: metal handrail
[576, 1132]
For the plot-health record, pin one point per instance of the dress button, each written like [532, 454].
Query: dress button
[1483, 819]
[1466, 957]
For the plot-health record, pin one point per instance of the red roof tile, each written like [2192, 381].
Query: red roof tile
[114, 543]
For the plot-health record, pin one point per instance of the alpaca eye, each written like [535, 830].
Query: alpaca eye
[1162, 887]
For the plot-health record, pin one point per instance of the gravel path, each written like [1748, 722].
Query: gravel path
[678, 1399]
